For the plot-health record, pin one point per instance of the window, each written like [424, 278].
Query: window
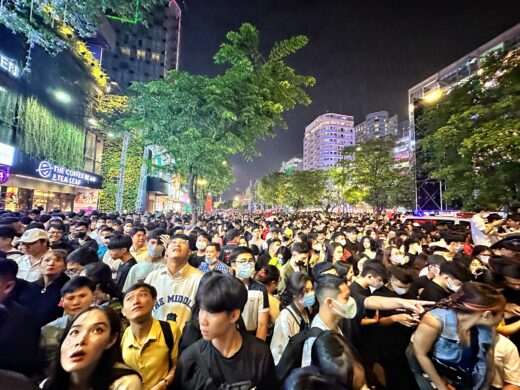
[125, 51]
[141, 54]
[156, 57]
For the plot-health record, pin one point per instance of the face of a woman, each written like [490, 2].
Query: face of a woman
[52, 265]
[338, 253]
[366, 243]
[86, 341]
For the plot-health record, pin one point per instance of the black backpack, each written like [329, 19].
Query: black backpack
[168, 337]
[292, 355]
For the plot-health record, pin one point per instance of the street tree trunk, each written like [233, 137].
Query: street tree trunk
[192, 195]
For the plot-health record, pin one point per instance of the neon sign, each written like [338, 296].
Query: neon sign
[9, 65]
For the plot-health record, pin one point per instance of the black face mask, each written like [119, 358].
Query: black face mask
[301, 263]
[80, 235]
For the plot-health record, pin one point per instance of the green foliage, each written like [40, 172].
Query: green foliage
[8, 101]
[111, 168]
[367, 174]
[200, 121]
[471, 139]
[46, 136]
[38, 23]
[301, 189]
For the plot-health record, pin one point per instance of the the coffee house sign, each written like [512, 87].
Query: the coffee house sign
[63, 175]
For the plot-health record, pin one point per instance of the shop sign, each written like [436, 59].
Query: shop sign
[4, 173]
[6, 154]
[9, 65]
[62, 175]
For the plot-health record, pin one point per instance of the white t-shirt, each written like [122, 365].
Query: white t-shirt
[285, 327]
[175, 293]
[507, 363]
[478, 227]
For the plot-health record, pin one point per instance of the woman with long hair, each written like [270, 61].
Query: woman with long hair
[269, 276]
[453, 344]
[90, 355]
[296, 300]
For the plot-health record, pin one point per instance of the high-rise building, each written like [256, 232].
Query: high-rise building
[376, 125]
[428, 91]
[325, 137]
[144, 53]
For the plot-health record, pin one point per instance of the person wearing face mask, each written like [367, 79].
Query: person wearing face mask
[198, 257]
[297, 263]
[341, 312]
[450, 278]
[297, 299]
[81, 236]
[392, 335]
[432, 269]
[104, 236]
[256, 310]
[211, 260]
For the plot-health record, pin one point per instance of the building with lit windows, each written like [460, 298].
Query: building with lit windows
[431, 89]
[376, 125]
[325, 137]
[144, 53]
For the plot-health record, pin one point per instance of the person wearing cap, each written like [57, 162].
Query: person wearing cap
[287, 237]
[7, 234]
[36, 243]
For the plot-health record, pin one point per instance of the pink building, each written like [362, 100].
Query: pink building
[325, 137]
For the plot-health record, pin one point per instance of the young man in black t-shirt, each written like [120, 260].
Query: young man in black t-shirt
[225, 355]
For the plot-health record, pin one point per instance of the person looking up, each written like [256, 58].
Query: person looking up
[226, 356]
[176, 284]
[256, 311]
[149, 346]
[297, 263]
[76, 296]
[90, 355]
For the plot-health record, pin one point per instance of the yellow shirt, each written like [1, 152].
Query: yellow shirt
[274, 261]
[151, 358]
[141, 255]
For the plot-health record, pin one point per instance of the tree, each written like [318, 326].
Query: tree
[270, 189]
[200, 121]
[41, 22]
[368, 174]
[471, 139]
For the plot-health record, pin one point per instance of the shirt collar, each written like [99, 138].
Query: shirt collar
[153, 335]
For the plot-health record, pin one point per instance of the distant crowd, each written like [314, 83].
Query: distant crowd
[242, 301]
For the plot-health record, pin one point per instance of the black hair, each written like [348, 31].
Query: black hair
[205, 235]
[457, 271]
[101, 275]
[83, 255]
[82, 223]
[268, 274]
[285, 252]
[400, 273]
[511, 271]
[321, 268]
[342, 268]
[310, 378]
[327, 286]
[35, 225]
[299, 247]
[151, 289]
[237, 252]
[335, 357]
[57, 226]
[182, 236]
[77, 283]
[294, 286]
[120, 242]
[8, 269]
[7, 231]
[374, 268]
[222, 293]
[104, 373]
[137, 229]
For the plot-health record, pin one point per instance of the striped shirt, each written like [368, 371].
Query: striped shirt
[204, 267]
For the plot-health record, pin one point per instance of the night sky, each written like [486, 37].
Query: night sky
[364, 54]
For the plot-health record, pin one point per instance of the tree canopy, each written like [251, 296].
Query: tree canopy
[200, 121]
[471, 140]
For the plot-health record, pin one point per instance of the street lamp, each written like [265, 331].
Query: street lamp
[433, 96]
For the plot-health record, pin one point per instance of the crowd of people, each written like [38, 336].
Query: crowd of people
[243, 301]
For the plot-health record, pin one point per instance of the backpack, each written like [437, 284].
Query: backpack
[295, 313]
[168, 337]
[292, 355]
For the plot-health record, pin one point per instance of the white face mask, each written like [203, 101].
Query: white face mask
[398, 290]
[346, 310]
[452, 286]
[484, 259]
[201, 245]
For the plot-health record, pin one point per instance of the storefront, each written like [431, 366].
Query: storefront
[27, 183]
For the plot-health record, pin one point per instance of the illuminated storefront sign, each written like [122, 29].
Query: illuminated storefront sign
[63, 175]
[9, 65]
[4, 174]
[6, 154]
